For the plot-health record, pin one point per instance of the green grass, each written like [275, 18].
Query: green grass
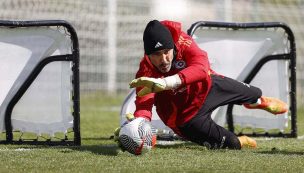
[98, 153]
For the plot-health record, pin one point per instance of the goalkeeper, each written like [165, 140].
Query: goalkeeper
[176, 77]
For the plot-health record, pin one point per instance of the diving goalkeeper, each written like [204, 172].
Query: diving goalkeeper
[176, 77]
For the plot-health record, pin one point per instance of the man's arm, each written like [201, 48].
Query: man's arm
[198, 67]
[144, 104]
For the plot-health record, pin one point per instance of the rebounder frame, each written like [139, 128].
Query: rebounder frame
[291, 57]
[73, 57]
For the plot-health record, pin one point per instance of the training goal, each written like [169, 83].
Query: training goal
[261, 54]
[39, 83]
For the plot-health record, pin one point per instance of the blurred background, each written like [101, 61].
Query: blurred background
[110, 31]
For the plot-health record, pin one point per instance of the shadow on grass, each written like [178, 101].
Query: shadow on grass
[108, 150]
[105, 146]
[284, 152]
[97, 139]
[102, 149]
[113, 150]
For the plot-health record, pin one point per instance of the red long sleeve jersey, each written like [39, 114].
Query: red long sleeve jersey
[175, 107]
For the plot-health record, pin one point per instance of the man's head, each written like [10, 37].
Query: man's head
[158, 45]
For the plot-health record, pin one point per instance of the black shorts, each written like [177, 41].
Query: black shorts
[202, 129]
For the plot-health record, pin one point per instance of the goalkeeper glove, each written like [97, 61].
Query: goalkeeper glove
[154, 85]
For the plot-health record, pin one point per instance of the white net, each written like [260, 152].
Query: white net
[48, 97]
[110, 31]
[234, 53]
[92, 21]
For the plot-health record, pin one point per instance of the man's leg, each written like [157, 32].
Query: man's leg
[229, 91]
[204, 131]
[225, 91]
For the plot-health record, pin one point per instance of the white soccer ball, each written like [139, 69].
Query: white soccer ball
[137, 136]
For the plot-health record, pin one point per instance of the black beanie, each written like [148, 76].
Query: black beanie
[157, 37]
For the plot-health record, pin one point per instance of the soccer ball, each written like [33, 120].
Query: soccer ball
[137, 136]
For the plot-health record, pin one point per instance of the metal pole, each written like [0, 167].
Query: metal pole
[228, 10]
[112, 29]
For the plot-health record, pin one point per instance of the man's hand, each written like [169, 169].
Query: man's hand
[151, 85]
[116, 134]
[154, 85]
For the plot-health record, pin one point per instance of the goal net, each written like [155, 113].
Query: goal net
[261, 54]
[39, 92]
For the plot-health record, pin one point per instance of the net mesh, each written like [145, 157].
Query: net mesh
[50, 95]
[92, 21]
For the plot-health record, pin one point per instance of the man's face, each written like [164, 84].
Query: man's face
[162, 59]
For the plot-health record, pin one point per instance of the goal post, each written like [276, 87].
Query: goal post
[39, 82]
[261, 54]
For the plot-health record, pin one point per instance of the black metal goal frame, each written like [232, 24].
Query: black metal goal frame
[291, 57]
[73, 57]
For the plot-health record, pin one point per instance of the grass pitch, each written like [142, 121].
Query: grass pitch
[98, 153]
